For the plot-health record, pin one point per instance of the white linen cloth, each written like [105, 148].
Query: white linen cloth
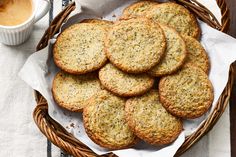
[18, 133]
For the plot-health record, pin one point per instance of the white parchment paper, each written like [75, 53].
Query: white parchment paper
[39, 71]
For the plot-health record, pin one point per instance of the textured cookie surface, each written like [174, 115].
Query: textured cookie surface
[150, 121]
[188, 93]
[122, 83]
[104, 121]
[174, 56]
[80, 48]
[99, 22]
[196, 54]
[135, 45]
[70, 91]
[175, 16]
[138, 9]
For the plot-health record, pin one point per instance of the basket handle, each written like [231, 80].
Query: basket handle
[207, 16]
[55, 26]
[212, 118]
[56, 133]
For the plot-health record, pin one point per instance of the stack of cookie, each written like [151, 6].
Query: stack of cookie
[109, 70]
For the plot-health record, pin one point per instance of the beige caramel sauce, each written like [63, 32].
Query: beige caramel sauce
[15, 12]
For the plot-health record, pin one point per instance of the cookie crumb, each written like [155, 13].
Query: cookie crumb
[72, 125]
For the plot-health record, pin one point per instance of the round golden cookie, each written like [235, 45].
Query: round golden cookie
[104, 121]
[150, 121]
[138, 9]
[175, 16]
[71, 91]
[105, 23]
[80, 48]
[196, 54]
[124, 84]
[174, 56]
[135, 45]
[188, 93]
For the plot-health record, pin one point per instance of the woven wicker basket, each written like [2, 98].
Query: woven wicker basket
[67, 142]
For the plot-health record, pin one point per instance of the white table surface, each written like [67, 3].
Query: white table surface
[19, 135]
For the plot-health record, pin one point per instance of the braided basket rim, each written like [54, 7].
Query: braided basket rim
[67, 142]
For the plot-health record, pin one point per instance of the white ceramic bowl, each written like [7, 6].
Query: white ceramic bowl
[15, 35]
